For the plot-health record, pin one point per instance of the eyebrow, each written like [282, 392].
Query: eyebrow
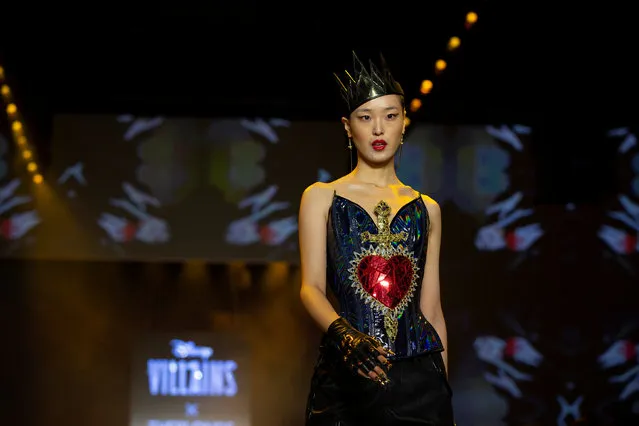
[369, 110]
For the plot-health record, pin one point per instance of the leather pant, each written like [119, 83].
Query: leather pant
[419, 394]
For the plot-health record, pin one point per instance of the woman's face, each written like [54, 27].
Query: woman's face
[376, 128]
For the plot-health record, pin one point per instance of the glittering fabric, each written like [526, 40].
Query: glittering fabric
[368, 286]
[375, 268]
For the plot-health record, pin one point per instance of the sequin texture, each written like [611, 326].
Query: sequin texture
[386, 280]
[385, 283]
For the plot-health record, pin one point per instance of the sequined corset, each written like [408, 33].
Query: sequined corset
[375, 269]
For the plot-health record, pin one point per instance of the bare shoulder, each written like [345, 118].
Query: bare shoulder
[318, 190]
[318, 194]
[434, 212]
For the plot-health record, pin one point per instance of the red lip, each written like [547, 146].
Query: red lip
[379, 144]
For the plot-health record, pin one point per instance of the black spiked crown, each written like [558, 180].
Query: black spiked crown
[365, 85]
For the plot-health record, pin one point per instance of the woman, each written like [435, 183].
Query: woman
[376, 243]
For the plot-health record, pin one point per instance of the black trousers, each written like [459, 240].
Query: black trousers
[419, 394]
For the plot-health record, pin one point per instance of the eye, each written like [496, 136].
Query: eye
[364, 117]
[392, 116]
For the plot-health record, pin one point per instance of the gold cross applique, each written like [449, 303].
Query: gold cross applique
[384, 237]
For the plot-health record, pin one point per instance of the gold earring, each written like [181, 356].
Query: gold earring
[350, 145]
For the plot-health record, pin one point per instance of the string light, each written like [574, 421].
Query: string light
[17, 128]
[12, 110]
[471, 19]
[415, 104]
[440, 64]
[426, 87]
[453, 43]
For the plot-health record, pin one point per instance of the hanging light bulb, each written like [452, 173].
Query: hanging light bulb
[471, 18]
[426, 87]
[454, 43]
[11, 110]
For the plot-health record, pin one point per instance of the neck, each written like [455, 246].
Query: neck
[381, 176]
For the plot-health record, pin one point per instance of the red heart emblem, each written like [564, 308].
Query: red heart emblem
[387, 280]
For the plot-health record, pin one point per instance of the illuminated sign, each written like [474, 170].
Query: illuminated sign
[194, 379]
[191, 373]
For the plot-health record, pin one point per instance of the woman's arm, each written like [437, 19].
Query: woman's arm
[312, 239]
[430, 301]
[361, 352]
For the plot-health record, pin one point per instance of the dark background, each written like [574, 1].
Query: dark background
[566, 72]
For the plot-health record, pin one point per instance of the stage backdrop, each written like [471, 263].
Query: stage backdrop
[222, 189]
[540, 300]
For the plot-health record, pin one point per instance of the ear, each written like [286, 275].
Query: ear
[347, 126]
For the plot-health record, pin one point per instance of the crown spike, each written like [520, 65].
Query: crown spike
[340, 83]
[374, 71]
[382, 61]
[364, 85]
[358, 66]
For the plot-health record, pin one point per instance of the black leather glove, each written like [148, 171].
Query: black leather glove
[359, 350]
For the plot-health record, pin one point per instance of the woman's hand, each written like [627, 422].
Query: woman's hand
[362, 353]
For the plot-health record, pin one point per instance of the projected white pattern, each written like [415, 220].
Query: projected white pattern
[503, 232]
[17, 215]
[621, 233]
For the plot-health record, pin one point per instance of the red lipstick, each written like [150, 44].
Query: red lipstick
[379, 144]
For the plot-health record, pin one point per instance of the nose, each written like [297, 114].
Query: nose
[378, 128]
